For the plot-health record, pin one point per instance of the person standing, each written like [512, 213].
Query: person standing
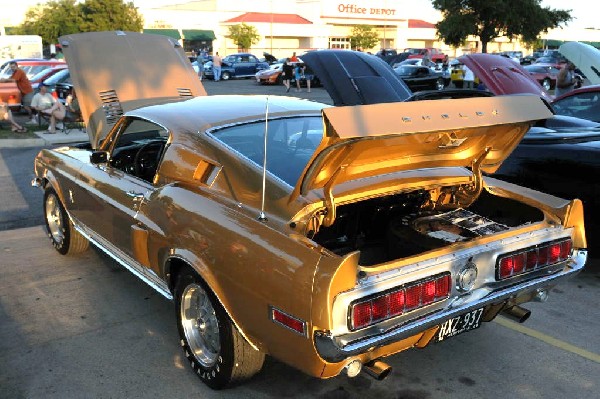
[298, 73]
[469, 78]
[287, 71]
[446, 71]
[565, 80]
[24, 85]
[217, 63]
[294, 58]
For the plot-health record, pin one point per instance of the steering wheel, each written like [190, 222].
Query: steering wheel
[146, 159]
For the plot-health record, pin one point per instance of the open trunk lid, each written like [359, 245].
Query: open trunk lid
[370, 140]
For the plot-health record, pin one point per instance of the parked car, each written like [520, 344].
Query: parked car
[544, 74]
[383, 237]
[242, 65]
[434, 54]
[61, 77]
[10, 93]
[36, 70]
[556, 62]
[567, 147]
[31, 66]
[420, 77]
[516, 56]
[271, 75]
[583, 102]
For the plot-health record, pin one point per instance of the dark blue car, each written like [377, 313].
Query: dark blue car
[241, 65]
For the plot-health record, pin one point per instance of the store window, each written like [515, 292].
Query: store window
[340, 43]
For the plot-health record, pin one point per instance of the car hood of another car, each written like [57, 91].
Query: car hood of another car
[114, 72]
[585, 57]
[502, 75]
[356, 78]
[366, 141]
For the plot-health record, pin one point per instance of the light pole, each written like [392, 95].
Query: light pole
[271, 3]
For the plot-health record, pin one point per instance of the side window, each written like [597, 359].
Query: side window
[252, 59]
[138, 147]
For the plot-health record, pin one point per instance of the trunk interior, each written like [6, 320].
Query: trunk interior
[398, 226]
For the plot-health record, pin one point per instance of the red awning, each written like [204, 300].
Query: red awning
[270, 18]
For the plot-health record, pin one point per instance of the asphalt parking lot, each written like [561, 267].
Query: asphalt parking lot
[84, 327]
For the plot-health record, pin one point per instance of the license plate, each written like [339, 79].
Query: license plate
[459, 324]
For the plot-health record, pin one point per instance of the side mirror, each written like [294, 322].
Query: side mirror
[98, 157]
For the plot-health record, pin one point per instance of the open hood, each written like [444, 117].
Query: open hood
[370, 140]
[114, 72]
[502, 75]
[585, 57]
[356, 78]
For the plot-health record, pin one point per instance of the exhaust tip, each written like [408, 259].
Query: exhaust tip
[378, 369]
[517, 313]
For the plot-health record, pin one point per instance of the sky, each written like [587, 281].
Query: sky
[584, 16]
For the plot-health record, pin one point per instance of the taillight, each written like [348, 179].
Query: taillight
[533, 258]
[397, 301]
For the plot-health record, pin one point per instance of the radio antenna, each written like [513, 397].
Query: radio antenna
[262, 217]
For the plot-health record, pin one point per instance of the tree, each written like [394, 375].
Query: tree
[244, 36]
[62, 17]
[102, 15]
[489, 19]
[51, 20]
[363, 37]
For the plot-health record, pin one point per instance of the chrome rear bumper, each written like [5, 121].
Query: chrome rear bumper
[335, 349]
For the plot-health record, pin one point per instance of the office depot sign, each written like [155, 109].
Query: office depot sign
[380, 10]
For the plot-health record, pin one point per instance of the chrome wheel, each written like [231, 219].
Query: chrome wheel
[200, 325]
[54, 218]
[546, 84]
[439, 84]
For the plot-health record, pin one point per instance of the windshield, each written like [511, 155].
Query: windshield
[59, 77]
[406, 70]
[291, 143]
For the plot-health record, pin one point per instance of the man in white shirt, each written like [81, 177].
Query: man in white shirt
[46, 104]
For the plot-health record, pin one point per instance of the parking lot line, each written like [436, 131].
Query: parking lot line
[548, 339]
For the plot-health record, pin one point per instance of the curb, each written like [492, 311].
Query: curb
[74, 136]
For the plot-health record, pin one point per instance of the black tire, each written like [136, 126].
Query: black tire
[225, 76]
[65, 239]
[217, 352]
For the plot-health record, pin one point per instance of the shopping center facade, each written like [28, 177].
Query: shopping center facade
[286, 26]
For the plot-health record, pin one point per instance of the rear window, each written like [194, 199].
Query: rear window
[291, 142]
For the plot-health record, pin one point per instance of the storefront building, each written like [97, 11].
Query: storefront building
[288, 26]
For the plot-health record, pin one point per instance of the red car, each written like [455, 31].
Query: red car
[435, 55]
[36, 70]
[544, 74]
